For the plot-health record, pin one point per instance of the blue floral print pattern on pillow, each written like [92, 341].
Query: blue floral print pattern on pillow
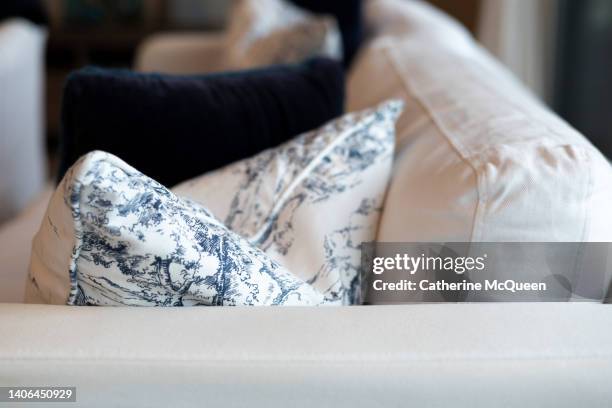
[310, 202]
[136, 243]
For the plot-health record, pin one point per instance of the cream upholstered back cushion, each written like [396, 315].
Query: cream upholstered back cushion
[478, 158]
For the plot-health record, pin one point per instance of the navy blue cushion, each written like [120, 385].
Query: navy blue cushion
[176, 127]
[32, 10]
[349, 14]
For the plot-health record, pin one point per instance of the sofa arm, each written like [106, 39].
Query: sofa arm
[22, 158]
[460, 355]
[181, 53]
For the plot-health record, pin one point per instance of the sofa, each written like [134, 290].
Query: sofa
[22, 163]
[478, 159]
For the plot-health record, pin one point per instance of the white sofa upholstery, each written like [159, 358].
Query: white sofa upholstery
[22, 159]
[478, 157]
[437, 355]
[15, 247]
[444, 355]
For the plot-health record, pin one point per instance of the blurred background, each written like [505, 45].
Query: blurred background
[561, 49]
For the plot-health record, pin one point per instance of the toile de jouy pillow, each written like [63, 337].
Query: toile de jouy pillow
[311, 202]
[112, 236]
[264, 32]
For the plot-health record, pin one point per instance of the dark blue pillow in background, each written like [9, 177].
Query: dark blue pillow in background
[349, 14]
[33, 10]
[172, 128]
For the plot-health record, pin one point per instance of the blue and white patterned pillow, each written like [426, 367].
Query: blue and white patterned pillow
[112, 236]
[312, 201]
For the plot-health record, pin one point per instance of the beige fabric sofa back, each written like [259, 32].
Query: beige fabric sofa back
[22, 160]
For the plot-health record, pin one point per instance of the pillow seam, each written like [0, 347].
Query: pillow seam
[305, 171]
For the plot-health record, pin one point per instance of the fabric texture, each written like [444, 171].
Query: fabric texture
[349, 14]
[173, 128]
[478, 158]
[117, 237]
[524, 355]
[264, 32]
[16, 245]
[22, 152]
[311, 202]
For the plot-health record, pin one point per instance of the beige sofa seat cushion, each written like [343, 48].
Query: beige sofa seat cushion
[526, 355]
